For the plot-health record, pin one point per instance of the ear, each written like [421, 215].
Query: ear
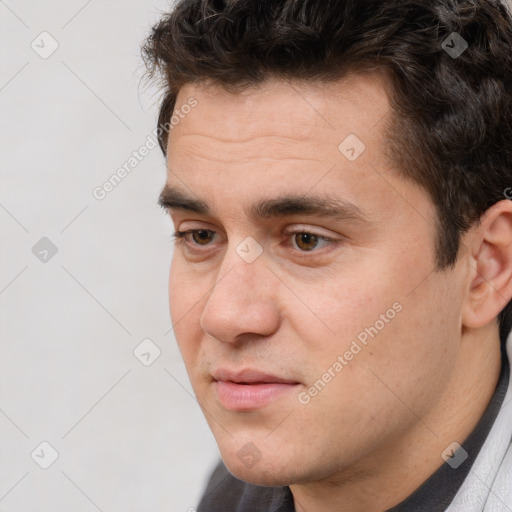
[490, 244]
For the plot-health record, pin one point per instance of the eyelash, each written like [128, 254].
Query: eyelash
[179, 236]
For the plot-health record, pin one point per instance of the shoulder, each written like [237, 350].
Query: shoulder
[226, 493]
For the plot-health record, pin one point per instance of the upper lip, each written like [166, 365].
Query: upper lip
[249, 376]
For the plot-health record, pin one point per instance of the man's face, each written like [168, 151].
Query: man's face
[310, 354]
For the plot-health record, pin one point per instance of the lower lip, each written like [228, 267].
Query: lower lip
[246, 397]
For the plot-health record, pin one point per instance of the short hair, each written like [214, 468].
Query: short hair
[449, 70]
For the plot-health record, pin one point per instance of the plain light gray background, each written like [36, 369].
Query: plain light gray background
[129, 436]
[128, 432]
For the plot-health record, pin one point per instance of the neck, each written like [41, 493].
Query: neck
[382, 480]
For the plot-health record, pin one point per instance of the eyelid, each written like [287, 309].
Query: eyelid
[181, 234]
[288, 232]
[291, 229]
[306, 229]
[314, 252]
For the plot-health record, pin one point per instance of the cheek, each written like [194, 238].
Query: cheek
[412, 358]
[335, 310]
[384, 321]
[175, 294]
[184, 306]
[185, 290]
[397, 375]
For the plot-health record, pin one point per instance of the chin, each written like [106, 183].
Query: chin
[258, 475]
[254, 467]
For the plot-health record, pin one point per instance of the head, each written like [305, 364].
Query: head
[378, 111]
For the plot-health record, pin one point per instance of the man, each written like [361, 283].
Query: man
[339, 177]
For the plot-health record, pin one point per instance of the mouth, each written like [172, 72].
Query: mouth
[250, 389]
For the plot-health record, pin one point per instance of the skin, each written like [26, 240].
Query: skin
[376, 431]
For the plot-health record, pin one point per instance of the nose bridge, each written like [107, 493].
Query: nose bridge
[241, 300]
[235, 279]
[243, 267]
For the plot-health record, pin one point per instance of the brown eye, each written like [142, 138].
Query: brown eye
[202, 236]
[306, 241]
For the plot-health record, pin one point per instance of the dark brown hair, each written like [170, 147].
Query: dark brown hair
[452, 106]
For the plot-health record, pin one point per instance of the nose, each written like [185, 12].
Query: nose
[242, 304]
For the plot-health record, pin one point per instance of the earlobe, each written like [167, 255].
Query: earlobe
[490, 288]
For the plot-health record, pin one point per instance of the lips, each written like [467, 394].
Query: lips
[249, 389]
[249, 376]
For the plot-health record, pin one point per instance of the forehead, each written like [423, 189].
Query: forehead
[289, 137]
[286, 109]
[279, 127]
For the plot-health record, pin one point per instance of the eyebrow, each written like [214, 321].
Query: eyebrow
[176, 199]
